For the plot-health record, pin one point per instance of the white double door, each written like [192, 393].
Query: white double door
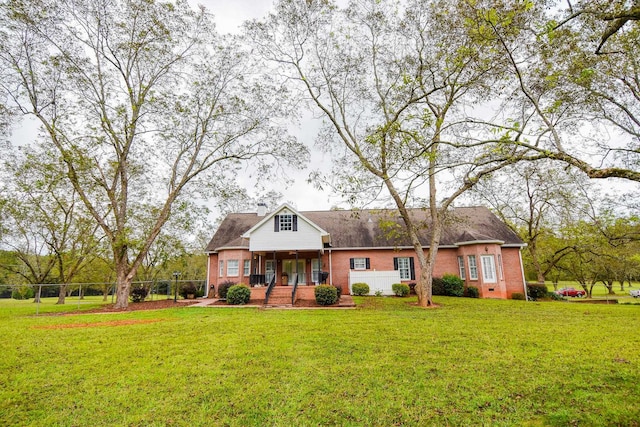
[289, 267]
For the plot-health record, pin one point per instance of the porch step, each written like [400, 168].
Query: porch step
[282, 290]
[280, 295]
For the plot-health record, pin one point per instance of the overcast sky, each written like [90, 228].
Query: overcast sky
[230, 14]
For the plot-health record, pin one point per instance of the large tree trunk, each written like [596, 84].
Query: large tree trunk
[423, 287]
[533, 251]
[589, 289]
[609, 285]
[122, 292]
[62, 293]
[425, 299]
[124, 277]
[425, 293]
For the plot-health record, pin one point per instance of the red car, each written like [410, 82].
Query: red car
[571, 292]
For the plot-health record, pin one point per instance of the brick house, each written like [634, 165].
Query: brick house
[301, 249]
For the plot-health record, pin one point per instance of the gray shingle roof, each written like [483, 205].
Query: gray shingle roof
[378, 228]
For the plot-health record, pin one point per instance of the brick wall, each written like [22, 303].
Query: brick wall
[508, 275]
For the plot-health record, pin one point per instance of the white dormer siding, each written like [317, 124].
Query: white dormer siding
[285, 230]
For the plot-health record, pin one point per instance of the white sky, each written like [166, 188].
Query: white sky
[230, 14]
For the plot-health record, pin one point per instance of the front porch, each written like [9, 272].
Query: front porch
[287, 268]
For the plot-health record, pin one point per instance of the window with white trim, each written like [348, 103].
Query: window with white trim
[488, 268]
[315, 270]
[221, 269]
[473, 267]
[286, 222]
[359, 263]
[247, 267]
[461, 269]
[404, 268]
[232, 267]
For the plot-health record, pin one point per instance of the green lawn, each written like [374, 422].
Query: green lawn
[470, 362]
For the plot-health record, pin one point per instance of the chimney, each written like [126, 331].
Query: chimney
[262, 209]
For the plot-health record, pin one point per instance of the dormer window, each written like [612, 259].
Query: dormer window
[286, 222]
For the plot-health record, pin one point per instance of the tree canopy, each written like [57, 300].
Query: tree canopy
[146, 106]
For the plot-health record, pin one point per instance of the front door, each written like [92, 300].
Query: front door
[289, 267]
[269, 269]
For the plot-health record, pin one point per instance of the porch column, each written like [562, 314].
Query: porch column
[319, 267]
[297, 275]
[275, 268]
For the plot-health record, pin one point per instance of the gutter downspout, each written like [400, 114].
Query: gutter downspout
[524, 279]
[208, 285]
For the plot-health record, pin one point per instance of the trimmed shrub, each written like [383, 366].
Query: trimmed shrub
[360, 289]
[518, 296]
[137, 293]
[537, 290]
[400, 289]
[200, 292]
[473, 292]
[238, 295]
[23, 292]
[437, 286]
[187, 289]
[223, 288]
[326, 294]
[555, 296]
[453, 285]
[339, 291]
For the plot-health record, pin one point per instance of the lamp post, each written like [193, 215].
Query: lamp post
[176, 274]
